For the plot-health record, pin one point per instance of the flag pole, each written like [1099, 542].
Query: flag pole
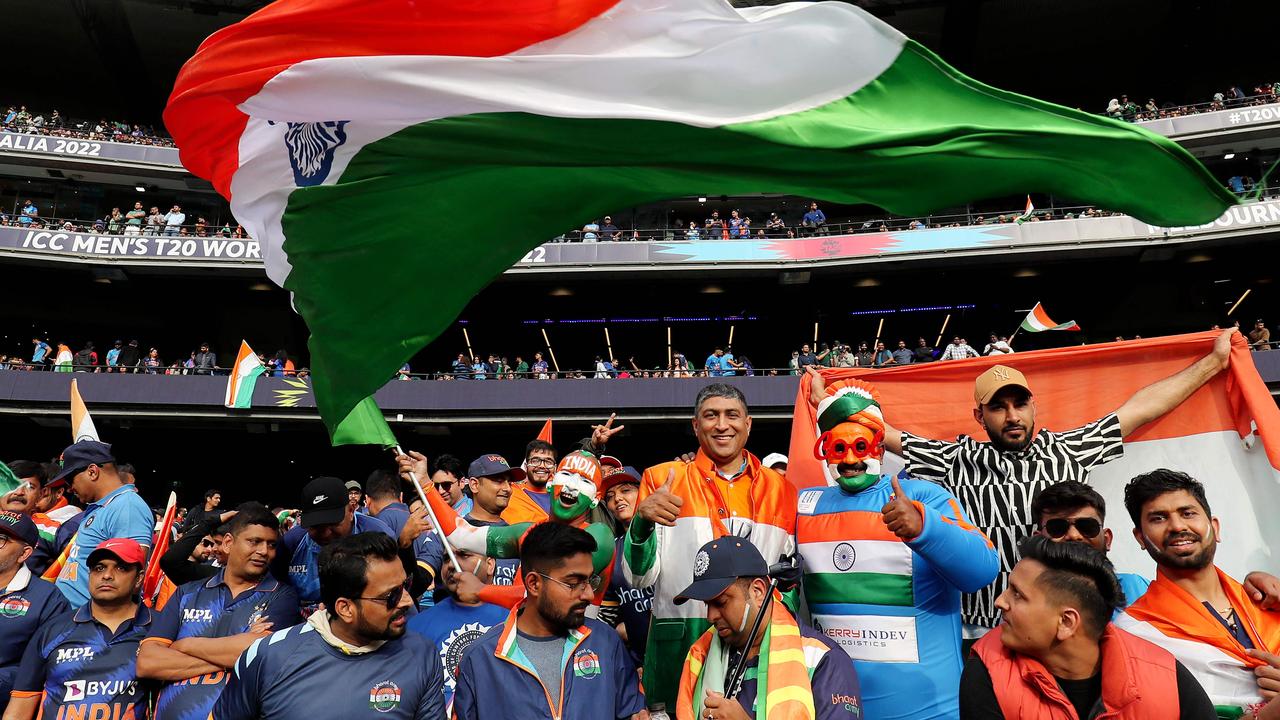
[730, 335]
[435, 521]
[1242, 297]
[608, 344]
[550, 350]
[668, 347]
[815, 335]
[878, 331]
[943, 331]
[467, 337]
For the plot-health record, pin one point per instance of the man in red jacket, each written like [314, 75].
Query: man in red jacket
[1056, 655]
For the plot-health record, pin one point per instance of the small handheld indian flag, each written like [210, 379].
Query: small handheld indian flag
[81, 422]
[1038, 321]
[244, 376]
[1030, 208]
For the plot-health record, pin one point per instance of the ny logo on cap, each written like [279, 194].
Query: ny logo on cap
[1000, 373]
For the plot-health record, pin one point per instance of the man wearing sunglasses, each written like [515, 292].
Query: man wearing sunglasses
[348, 658]
[558, 662]
[1072, 511]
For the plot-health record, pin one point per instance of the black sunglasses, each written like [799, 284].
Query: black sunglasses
[391, 599]
[1086, 526]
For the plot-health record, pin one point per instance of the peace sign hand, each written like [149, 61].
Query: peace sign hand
[601, 434]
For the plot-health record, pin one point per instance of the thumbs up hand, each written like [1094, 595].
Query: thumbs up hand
[901, 515]
[662, 506]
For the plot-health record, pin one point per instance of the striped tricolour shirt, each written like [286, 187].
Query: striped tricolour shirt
[996, 487]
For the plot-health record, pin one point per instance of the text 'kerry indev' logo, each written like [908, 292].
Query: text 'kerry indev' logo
[311, 149]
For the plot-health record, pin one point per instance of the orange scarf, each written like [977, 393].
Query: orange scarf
[1176, 614]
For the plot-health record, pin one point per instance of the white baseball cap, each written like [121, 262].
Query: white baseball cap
[773, 459]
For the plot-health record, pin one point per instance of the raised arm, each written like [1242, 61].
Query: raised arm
[1158, 398]
[818, 390]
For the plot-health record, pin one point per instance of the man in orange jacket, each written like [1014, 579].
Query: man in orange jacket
[684, 505]
[1056, 655]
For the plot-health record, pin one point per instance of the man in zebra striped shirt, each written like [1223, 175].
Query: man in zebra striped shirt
[996, 480]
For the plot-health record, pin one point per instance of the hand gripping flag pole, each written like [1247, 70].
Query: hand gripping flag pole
[435, 521]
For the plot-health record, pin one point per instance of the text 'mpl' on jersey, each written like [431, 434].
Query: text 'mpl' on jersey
[205, 609]
[85, 670]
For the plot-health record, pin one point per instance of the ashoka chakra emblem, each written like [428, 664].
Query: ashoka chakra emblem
[700, 563]
[844, 556]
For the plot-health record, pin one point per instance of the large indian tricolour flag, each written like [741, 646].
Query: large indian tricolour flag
[394, 156]
[1227, 434]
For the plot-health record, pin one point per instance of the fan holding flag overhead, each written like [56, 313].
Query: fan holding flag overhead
[244, 377]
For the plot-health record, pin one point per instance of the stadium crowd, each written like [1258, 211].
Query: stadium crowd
[575, 586]
[128, 357]
[17, 118]
[1122, 108]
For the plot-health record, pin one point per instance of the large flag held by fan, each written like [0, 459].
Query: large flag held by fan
[311, 112]
[1227, 434]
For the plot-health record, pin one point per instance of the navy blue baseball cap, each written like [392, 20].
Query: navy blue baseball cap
[19, 527]
[490, 465]
[80, 456]
[718, 564]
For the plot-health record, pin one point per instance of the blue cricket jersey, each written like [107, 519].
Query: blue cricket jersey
[26, 605]
[893, 605]
[122, 513]
[84, 669]
[295, 674]
[452, 628]
[205, 609]
[304, 556]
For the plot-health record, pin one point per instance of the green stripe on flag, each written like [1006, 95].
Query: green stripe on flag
[862, 588]
[8, 481]
[365, 425]
[919, 137]
[244, 391]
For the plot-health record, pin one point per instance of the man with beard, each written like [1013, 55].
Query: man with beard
[530, 501]
[84, 663]
[1193, 609]
[548, 654]
[1071, 511]
[326, 518]
[206, 624]
[348, 658]
[27, 603]
[723, 491]
[1056, 655]
[453, 624]
[996, 480]
[886, 562]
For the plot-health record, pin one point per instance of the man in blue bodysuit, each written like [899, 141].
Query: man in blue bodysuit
[885, 563]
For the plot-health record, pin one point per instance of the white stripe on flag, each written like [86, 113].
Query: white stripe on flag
[857, 556]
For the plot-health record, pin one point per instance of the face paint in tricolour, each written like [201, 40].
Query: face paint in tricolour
[574, 487]
[851, 432]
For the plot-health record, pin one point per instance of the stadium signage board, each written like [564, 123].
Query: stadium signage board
[1078, 234]
[136, 247]
[75, 148]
